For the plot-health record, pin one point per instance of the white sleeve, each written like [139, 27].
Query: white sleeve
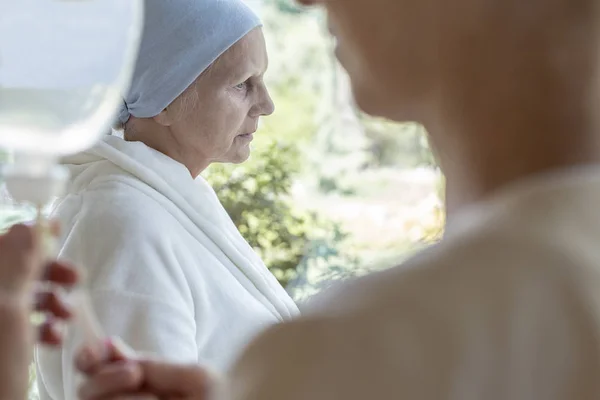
[137, 289]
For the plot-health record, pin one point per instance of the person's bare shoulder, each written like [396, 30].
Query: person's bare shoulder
[419, 329]
[272, 363]
[303, 359]
[366, 354]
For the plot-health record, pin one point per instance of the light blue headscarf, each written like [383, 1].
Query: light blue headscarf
[181, 39]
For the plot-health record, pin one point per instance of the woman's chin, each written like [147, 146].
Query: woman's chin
[241, 160]
[241, 155]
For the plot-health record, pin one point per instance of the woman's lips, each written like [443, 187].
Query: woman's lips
[246, 136]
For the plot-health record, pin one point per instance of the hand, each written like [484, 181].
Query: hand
[20, 266]
[111, 375]
[51, 303]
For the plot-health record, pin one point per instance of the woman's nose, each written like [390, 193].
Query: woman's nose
[268, 106]
[264, 104]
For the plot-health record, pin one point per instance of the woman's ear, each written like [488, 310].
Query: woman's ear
[163, 118]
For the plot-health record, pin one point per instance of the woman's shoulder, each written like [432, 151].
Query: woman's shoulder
[113, 207]
[116, 233]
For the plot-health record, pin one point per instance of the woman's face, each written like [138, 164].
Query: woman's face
[215, 118]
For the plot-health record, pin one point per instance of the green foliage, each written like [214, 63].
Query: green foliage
[322, 264]
[433, 229]
[293, 122]
[394, 144]
[257, 197]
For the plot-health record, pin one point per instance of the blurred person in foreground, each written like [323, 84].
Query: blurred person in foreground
[507, 305]
[20, 266]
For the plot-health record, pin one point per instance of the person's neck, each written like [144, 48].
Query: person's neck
[491, 138]
[163, 140]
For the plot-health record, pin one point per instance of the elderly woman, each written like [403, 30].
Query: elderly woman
[167, 269]
[507, 305]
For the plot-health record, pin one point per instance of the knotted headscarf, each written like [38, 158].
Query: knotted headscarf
[181, 39]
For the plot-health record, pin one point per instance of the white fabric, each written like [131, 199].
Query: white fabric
[506, 307]
[167, 269]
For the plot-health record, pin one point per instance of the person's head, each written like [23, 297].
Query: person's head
[401, 53]
[198, 91]
[505, 88]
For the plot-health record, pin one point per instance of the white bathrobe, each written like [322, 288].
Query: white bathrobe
[167, 269]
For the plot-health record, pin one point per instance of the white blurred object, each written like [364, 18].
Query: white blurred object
[63, 65]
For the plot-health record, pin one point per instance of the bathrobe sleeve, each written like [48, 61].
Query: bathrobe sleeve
[129, 256]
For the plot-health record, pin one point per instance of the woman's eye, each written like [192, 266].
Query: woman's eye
[242, 85]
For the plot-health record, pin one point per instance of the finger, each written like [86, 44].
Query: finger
[20, 237]
[173, 379]
[17, 255]
[51, 302]
[91, 357]
[111, 380]
[20, 261]
[61, 273]
[49, 333]
[87, 359]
